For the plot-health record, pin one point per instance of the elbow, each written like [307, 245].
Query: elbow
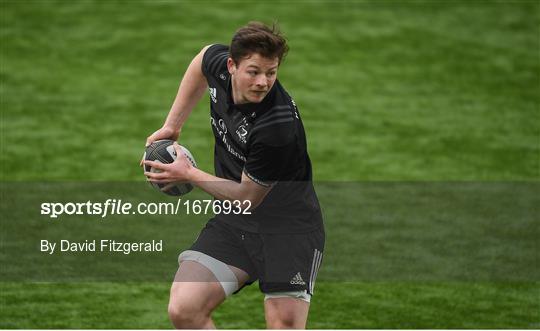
[251, 200]
[251, 193]
[251, 204]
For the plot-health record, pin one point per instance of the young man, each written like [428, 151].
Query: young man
[261, 162]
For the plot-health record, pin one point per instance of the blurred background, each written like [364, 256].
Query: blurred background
[389, 91]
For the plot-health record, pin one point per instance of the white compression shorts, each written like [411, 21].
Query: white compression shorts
[221, 271]
[302, 295]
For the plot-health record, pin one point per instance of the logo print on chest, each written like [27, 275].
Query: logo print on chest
[242, 130]
[213, 94]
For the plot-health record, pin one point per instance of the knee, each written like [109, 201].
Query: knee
[185, 316]
[286, 313]
[285, 320]
[283, 324]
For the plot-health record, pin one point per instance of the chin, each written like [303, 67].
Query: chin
[257, 99]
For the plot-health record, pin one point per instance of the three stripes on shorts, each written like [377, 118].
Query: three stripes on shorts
[315, 265]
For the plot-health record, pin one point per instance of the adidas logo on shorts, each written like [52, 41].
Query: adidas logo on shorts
[297, 280]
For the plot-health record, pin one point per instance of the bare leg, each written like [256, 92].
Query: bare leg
[195, 293]
[286, 313]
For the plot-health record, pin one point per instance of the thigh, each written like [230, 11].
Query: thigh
[196, 287]
[199, 284]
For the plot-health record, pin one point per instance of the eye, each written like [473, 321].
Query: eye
[271, 74]
[252, 73]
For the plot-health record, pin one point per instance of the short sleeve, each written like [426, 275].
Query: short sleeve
[267, 164]
[215, 60]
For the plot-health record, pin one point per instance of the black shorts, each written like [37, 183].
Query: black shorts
[280, 262]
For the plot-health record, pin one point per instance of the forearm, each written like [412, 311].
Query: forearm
[192, 88]
[181, 170]
[225, 189]
[220, 188]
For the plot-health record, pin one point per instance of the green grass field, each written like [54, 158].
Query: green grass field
[391, 92]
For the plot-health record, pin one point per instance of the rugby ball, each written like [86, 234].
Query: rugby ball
[163, 151]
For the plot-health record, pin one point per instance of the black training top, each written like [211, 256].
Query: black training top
[266, 141]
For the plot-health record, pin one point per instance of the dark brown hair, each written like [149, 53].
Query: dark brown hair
[256, 37]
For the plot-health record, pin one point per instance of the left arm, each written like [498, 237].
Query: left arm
[181, 170]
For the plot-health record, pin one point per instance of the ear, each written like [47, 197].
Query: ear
[231, 66]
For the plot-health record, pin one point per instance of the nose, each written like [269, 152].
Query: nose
[261, 81]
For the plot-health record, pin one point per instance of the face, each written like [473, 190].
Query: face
[252, 78]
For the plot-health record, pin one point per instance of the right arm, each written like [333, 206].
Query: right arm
[191, 90]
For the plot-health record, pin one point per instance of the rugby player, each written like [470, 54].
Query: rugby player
[261, 160]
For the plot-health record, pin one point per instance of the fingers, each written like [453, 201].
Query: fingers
[158, 178]
[149, 140]
[178, 150]
[156, 165]
[142, 162]
[163, 133]
[159, 181]
[153, 137]
[156, 175]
